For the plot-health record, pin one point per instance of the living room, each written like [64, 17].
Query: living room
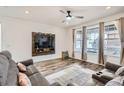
[61, 45]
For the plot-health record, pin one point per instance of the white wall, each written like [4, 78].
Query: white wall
[70, 40]
[16, 37]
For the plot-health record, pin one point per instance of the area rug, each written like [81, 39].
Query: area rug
[74, 74]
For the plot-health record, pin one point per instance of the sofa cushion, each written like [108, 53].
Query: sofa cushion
[21, 67]
[38, 80]
[27, 62]
[31, 70]
[113, 83]
[118, 81]
[23, 80]
[120, 71]
[111, 66]
[4, 64]
[107, 72]
[12, 74]
[7, 54]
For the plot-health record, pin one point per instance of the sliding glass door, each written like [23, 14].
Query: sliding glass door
[92, 43]
[112, 44]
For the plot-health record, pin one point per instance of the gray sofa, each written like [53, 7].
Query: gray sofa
[107, 75]
[9, 71]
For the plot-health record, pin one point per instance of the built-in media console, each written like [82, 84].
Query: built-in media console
[43, 43]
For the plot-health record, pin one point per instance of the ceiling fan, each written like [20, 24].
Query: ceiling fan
[69, 16]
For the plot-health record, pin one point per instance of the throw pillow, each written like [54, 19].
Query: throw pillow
[115, 82]
[120, 71]
[31, 70]
[23, 80]
[21, 67]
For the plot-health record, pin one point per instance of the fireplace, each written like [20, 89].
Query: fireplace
[43, 43]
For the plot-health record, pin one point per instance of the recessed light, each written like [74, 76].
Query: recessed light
[26, 12]
[108, 7]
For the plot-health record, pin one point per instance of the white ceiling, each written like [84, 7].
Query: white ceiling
[52, 16]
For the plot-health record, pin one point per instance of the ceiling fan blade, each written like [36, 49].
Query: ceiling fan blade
[62, 11]
[80, 17]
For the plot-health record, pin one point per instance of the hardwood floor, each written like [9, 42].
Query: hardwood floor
[52, 66]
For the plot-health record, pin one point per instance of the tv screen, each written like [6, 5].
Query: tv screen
[43, 43]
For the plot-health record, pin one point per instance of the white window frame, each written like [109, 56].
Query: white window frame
[95, 49]
[79, 40]
[112, 36]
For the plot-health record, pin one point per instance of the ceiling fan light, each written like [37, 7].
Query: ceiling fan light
[68, 18]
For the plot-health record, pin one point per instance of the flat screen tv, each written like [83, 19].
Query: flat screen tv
[43, 43]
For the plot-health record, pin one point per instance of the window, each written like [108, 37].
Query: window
[92, 44]
[78, 41]
[112, 44]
